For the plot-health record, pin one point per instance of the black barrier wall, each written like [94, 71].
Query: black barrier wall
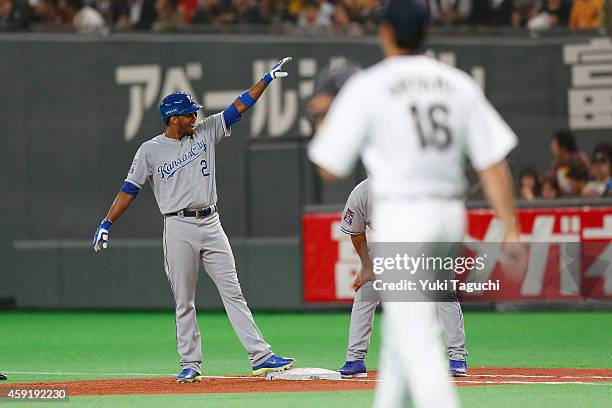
[75, 109]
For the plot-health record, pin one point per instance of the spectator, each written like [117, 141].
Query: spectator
[605, 21]
[553, 13]
[577, 177]
[310, 20]
[448, 12]
[353, 7]
[565, 152]
[603, 147]
[186, 9]
[326, 12]
[200, 15]
[215, 13]
[222, 15]
[14, 15]
[168, 16]
[134, 14]
[248, 12]
[528, 184]
[491, 12]
[294, 8]
[368, 13]
[522, 11]
[308, 14]
[47, 12]
[549, 188]
[270, 10]
[602, 172]
[558, 12]
[481, 13]
[344, 21]
[85, 19]
[585, 14]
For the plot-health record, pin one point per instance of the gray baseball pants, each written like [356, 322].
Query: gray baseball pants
[362, 320]
[189, 241]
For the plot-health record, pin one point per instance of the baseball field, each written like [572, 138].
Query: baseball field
[525, 359]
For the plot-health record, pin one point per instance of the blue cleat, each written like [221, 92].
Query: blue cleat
[458, 368]
[188, 375]
[274, 363]
[353, 369]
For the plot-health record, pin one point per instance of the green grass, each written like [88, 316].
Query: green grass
[103, 345]
[145, 342]
[537, 395]
[272, 400]
[541, 396]
[553, 339]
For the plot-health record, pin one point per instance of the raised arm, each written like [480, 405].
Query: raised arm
[248, 98]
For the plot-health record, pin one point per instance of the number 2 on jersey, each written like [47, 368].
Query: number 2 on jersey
[205, 171]
[437, 134]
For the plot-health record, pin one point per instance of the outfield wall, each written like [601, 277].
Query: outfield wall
[75, 109]
[568, 256]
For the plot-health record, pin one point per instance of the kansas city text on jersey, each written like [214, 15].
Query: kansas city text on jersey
[168, 169]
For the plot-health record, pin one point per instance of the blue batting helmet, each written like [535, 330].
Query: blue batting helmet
[177, 103]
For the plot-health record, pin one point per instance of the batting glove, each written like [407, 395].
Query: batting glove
[100, 239]
[276, 71]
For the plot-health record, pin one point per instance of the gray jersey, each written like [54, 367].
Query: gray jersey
[181, 172]
[356, 214]
[355, 218]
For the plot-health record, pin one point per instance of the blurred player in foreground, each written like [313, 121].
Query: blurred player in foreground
[412, 120]
[356, 218]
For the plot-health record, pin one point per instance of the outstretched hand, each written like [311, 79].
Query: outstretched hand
[100, 239]
[277, 71]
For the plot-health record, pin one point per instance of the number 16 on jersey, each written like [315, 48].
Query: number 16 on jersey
[432, 126]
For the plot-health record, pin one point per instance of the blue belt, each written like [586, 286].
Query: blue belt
[198, 213]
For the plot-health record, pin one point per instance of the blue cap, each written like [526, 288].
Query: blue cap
[406, 16]
[177, 103]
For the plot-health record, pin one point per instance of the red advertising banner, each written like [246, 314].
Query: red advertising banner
[330, 262]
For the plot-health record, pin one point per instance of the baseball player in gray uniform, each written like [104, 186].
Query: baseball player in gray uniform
[180, 166]
[356, 218]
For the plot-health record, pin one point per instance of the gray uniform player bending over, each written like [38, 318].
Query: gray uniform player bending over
[355, 218]
[180, 166]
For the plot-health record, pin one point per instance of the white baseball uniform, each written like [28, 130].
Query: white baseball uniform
[357, 220]
[413, 120]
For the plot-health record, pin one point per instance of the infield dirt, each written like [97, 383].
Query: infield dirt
[479, 376]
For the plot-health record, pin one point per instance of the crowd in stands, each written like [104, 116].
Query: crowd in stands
[352, 17]
[571, 174]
